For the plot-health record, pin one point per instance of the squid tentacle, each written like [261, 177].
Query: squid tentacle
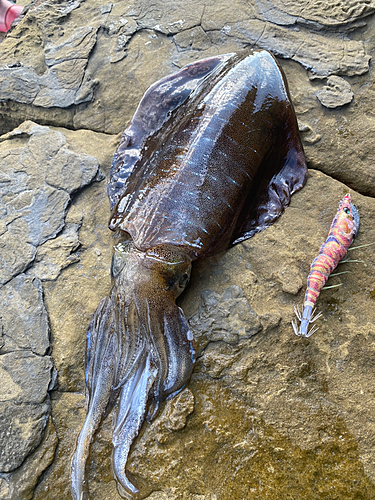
[100, 376]
[131, 340]
[139, 352]
[158, 350]
[130, 417]
[160, 373]
[181, 355]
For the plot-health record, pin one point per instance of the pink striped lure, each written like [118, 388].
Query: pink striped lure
[343, 229]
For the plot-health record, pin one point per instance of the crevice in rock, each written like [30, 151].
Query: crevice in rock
[349, 185]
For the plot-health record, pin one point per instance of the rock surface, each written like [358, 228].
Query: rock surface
[266, 414]
[75, 69]
[336, 93]
[40, 172]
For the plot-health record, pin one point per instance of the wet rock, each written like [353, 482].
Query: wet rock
[175, 415]
[310, 137]
[336, 93]
[337, 141]
[99, 52]
[261, 402]
[39, 173]
[273, 394]
[23, 316]
[264, 409]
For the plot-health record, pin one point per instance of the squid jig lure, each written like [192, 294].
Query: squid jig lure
[343, 229]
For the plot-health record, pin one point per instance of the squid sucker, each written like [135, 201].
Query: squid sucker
[210, 158]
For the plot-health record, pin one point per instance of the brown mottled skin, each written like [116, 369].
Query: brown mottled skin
[211, 157]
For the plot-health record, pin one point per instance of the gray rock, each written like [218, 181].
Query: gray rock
[26, 377]
[322, 55]
[65, 81]
[226, 317]
[78, 69]
[21, 431]
[24, 405]
[336, 93]
[40, 171]
[18, 83]
[39, 174]
[20, 484]
[15, 256]
[328, 15]
[24, 317]
[57, 254]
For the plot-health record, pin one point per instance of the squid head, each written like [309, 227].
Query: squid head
[139, 351]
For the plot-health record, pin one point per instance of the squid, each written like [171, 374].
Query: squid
[211, 157]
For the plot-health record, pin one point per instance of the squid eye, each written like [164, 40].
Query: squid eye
[346, 210]
[183, 280]
[118, 263]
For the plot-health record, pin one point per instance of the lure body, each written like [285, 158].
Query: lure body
[343, 229]
[211, 156]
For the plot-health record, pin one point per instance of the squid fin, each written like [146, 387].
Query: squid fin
[282, 172]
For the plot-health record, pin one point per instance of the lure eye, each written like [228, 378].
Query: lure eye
[346, 210]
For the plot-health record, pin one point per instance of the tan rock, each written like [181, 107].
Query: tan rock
[336, 93]
[41, 170]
